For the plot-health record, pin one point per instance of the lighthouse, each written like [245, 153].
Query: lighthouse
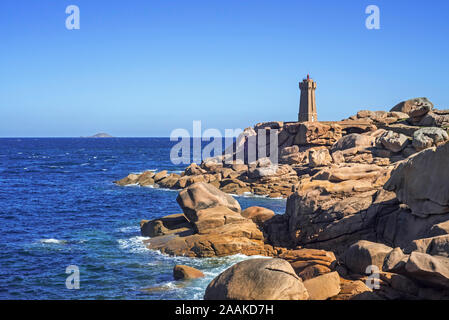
[307, 102]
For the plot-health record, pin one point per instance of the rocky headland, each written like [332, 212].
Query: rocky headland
[367, 213]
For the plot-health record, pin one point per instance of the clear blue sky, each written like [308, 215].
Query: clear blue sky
[143, 68]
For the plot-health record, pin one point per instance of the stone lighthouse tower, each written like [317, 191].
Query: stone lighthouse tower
[307, 102]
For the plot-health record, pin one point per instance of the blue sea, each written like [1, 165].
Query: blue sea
[59, 207]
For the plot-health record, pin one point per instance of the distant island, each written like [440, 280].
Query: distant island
[100, 135]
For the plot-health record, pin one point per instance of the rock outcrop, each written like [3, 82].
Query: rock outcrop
[369, 137]
[258, 214]
[257, 279]
[330, 210]
[166, 225]
[211, 226]
[316, 133]
[421, 182]
[353, 290]
[363, 254]
[429, 137]
[416, 108]
[323, 287]
[181, 272]
[200, 196]
[310, 263]
[427, 269]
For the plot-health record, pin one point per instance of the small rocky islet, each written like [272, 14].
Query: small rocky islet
[370, 191]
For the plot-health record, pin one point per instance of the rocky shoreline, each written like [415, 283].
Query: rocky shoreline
[366, 196]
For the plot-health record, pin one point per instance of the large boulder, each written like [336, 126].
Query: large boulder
[362, 114]
[318, 134]
[262, 168]
[199, 196]
[428, 137]
[395, 261]
[257, 279]
[292, 155]
[319, 158]
[353, 290]
[438, 245]
[129, 179]
[212, 232]
[439, 229]
[181, 272]
[310, 263]
[258, 214]
[393, 141]
[353, 172]
[214, 227]
[164, 225]
[260, 172]
[416, 108]
[169, 181]
[234, 186]
[193, 169]
[160, 175]
[213, 235]
[210, 219]
[323, 287]
[354, 140]
[147, 178]
[421, 181]
[365, 253]
[429, 270]
[142, 179]
[433, 119]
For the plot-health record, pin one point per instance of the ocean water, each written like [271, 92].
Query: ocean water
[59, 207]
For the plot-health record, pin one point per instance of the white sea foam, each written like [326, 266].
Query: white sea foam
[170, 285]
[134, 244]
[53, 241]
[154, 263]
[140, 172]
[129, 229]
[211, 267]
[249, 195]
[253, 195]
[152, 186]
